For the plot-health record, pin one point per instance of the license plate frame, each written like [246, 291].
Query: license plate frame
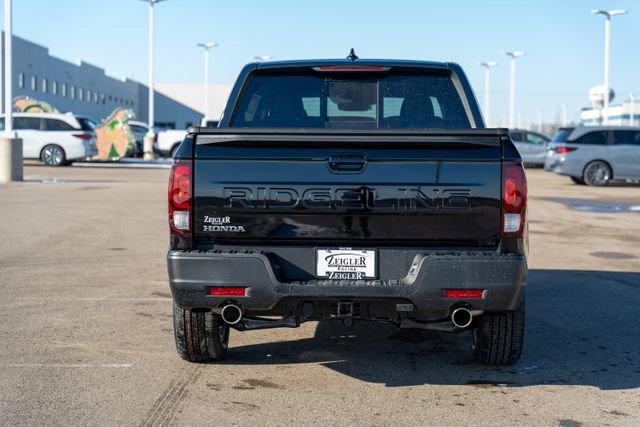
[346, 263]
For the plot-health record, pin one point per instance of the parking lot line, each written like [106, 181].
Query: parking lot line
[67, 365]
[91, 299]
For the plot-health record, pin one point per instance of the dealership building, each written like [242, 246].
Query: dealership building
[85, 89]
[625, 114]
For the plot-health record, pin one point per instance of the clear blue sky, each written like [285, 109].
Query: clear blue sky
[563, 41]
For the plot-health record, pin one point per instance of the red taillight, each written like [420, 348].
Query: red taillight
[463, 293]
[350, 68]
[514, 198]
[180, 197]
[563, 149]
[83, 136]
[236, 291]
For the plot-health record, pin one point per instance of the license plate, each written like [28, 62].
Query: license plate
[346, 263]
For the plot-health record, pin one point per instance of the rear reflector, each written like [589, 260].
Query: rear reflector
[563, 149]
[236, 291]
[463, 293]
[350, 68]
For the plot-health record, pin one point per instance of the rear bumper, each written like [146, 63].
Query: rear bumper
[562, 165]
[503, 276]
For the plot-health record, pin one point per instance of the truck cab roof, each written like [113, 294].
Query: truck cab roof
[301, 63]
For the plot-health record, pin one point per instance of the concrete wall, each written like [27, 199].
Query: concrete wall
[193, 96]
[60, 83]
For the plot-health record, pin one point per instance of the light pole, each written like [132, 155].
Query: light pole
[607, 45]
[10, 146]
[150, 136]
[261, 58]
[563, 110]
[512, 85]
[487, 88]
[539, 120]
[206, 47]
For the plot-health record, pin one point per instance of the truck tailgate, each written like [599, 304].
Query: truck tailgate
[401, 187]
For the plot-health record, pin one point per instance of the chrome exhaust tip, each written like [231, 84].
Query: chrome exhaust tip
[231, 314]
[461, 318]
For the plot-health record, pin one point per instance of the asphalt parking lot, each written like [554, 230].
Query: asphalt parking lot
[86, 332]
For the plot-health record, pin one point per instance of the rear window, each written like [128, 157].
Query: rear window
[562, 135]
[393, 101]
[516, 136]
[536, 138]
[86, 124]
[138, 130]
[592, 138]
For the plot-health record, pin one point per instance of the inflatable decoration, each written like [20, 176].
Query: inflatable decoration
[114, 137]
[24, 104]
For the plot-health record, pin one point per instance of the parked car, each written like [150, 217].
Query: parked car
[532, 146]
[349, 190]
[168, 141]
[56, 139]
[140, 130]
[165, 143]
[596, 155]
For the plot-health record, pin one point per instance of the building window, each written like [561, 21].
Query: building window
[54, 87]
[21, 80]
[88, 95]
[165, 125]
[63, 90]
[72, 91]
[80, 94]
[95, 97]
[43, 85]
[34, 83]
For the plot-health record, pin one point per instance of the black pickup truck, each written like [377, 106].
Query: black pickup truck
[349, 190]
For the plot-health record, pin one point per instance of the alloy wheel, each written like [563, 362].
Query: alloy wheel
[598, 174]
[53, 155]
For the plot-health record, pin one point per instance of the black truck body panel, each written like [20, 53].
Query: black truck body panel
[430, 191]
[429, 202]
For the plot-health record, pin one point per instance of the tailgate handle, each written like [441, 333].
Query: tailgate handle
[347, 162]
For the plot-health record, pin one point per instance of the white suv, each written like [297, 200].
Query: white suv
[56, 139]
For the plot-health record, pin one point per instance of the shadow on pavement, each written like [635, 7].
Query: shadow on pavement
[581, 330]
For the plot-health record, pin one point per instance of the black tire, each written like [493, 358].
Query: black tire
[499, 337]
[578, 181]
[597, 173]
[200, 336]
[53, 155]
